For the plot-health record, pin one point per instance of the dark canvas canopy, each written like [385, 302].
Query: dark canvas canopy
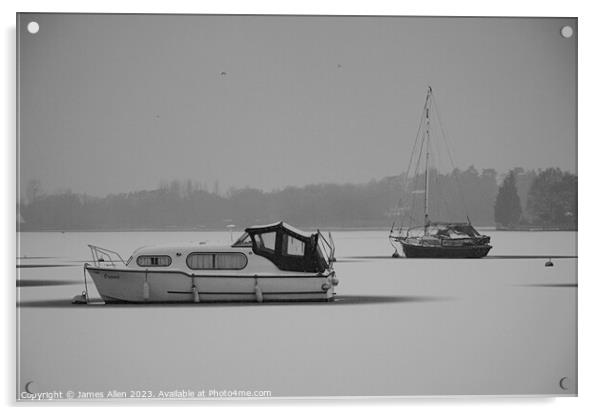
[287, 247]
[446, 229]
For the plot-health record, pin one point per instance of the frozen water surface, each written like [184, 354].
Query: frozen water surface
[498, 325]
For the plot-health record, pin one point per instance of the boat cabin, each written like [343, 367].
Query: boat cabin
[289, 248]
[445, 230]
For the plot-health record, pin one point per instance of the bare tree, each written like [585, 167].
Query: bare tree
[33, 190]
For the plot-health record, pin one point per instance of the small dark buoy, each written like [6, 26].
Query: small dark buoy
[223, 73]
[549, 263]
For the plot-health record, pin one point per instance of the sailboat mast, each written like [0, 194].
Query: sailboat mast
[426, 164]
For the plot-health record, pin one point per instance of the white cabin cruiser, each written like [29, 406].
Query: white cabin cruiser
[267, 263]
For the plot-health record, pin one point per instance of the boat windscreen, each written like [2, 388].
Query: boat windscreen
[244, 241]
[325, 249]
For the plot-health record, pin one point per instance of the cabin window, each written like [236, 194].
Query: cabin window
[266, 241]
[220, 261]
[230, 261]
[292, 246]
[153, 261]
[200, 261]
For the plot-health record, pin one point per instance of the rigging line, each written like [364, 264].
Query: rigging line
[409, 214]
[401, 204]
[441, 202]
[446, 207]
[413, 198]
[412, 195]
[414, 146]
[412, 159]
[442, 205]
[434, 174]
[449, 153]
[412, 155]
[419, 157]
[445, 188]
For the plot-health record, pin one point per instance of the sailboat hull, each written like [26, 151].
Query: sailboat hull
[420, 251]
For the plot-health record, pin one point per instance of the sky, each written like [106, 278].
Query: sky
[118, 103]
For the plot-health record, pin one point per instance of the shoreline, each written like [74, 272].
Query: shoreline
[326, 229]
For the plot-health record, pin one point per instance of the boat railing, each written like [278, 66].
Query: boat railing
[105, 257]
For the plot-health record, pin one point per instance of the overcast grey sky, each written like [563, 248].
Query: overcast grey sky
[112, 103]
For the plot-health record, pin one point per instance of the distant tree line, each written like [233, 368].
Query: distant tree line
[546, 198]
[550, 202]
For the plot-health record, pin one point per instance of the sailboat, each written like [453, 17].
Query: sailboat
[434, 239]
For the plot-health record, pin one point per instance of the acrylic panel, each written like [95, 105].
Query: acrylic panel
[219, 206]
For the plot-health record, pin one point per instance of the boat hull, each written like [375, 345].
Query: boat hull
[422, 251]
[134, 286]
